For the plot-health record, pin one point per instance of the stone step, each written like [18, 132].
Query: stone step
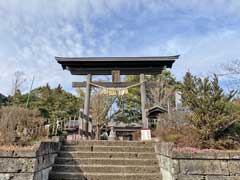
[105, 169]
[79, 154]
[109, 143]
[99, 148]
[106, 161]
[103, 176]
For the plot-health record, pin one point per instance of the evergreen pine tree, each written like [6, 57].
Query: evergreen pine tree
[211, 111]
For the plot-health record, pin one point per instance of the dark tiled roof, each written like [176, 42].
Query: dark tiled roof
[2, 96]
[156, 110]
[126, 65]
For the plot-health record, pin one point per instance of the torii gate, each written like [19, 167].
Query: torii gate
[115, 66]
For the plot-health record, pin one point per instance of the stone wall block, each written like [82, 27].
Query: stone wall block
[211, 155]
[12, 165]
[181, 155]
[197, 177]
[48, 160]
[175, 167]
[14, 176]
[204, 167]
[42, 175]
[234, 155]
[157, 147]
[166, 163]
[189, 177]
[234, 167]
[169, 164]
[177, 164]
[223, 178]
[25, 153]
[33, 164]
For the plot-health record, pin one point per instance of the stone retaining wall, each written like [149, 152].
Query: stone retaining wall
[176, 164]
[32, 164]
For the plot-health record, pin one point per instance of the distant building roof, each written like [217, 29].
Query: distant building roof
[3, 99]
[2, 96]
[117, 124]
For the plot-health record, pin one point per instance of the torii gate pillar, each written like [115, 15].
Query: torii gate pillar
[143, 101]
[86, 126]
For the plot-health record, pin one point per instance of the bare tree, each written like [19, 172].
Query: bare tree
[81, 95]
[232, 67]
[18, 81]
[164, 93]
[100, 106]
[230, 73]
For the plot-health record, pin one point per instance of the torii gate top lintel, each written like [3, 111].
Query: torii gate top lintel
[126, 65]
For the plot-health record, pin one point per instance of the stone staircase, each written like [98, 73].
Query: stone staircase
[106, 160]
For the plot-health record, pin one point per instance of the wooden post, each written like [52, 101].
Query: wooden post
[57, 129]
[74, 121]
[87, 105]
[64, 124]
[61, 124]
[143, 101]
[80, 120]
[97, 132]
[116, 76]
[54, 127]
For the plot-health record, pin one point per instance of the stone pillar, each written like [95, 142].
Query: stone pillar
[89, 129]
[143, 101]
[86, 106]
[112, 135]
[97, 131]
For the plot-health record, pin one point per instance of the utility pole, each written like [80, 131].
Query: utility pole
[30, 92]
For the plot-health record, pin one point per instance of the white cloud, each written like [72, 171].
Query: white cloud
[33, 32]
[203, 55]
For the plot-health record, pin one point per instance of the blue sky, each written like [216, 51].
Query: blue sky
[205, 33]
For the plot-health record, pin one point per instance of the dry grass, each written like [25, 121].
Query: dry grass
[19, 126]
[185, 137]
[181, 136]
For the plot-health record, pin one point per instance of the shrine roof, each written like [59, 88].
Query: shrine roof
[155, 111]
